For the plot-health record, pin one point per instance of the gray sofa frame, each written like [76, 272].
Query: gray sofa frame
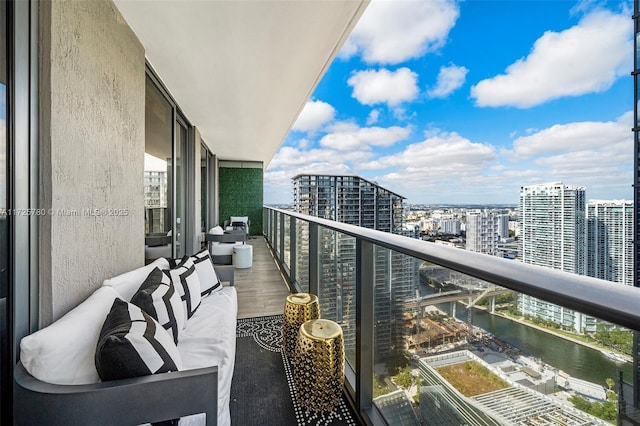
[133, 401]
[227, 237]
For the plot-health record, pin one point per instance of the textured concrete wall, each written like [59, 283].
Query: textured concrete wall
[92, 133]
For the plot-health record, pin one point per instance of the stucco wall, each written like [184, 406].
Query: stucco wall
[92, 153]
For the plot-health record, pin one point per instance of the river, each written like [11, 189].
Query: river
[574, 359]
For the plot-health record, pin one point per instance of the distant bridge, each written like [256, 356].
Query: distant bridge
[453, 296]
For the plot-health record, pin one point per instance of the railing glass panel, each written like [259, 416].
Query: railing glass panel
[448, 364]
[337, 286]
[451, 346]
[302, 254]
[287, 242]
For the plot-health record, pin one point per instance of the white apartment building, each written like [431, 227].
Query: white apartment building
[483, 231]
[610, 240]
[449, 226]
[553, 230]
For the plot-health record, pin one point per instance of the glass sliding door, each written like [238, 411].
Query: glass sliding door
[205, 158]
[180, 185]
[158, 174]
[168, 176]
[5, 352]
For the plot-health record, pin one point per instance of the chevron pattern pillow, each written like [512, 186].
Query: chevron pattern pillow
[185, 279]
[158, 297]
[132, 344]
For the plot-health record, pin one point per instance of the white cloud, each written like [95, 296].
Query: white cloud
[450, 78]
[441, 154]
[586, 58]
[372, 87]
[447, 167]
[289, 162]
[373, 117]
[303, 143]
[313, 116]
[578, 136]
[288, 158]
[353, 137]
[390, 32]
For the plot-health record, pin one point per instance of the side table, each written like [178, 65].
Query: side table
[242, 256]
[298, 308]
[319, 370]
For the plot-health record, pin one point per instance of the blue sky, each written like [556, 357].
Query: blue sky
[464, 102]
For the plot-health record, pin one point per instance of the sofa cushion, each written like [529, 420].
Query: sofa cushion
[63, 353]
[209, 338]
[209, 281]
[158, 297]
[127, 284]
[132, 344]
[185, 279]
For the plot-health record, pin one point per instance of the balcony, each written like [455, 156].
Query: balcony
[402, 359]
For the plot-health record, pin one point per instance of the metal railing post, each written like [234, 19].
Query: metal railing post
[265, 222]
[314, 259]
[281, 238]
[293, 249]
[274, 241]
[365, 275]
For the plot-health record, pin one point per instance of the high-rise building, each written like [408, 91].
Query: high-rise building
[482, 231]
[553, 229]
[610, 240]
[357, 201]
[449, 226]
[503, 226]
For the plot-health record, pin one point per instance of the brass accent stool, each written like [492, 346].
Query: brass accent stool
[298, 308]
[319, 370]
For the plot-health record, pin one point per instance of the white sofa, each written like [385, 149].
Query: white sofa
[56, 381]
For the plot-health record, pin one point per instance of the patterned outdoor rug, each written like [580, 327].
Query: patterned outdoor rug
[262, 391]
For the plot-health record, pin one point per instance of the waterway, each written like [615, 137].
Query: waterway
[574, 359]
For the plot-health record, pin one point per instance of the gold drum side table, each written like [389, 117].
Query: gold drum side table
[299, 308]
[319, 370]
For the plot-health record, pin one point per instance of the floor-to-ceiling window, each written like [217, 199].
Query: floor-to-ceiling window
[181, 219]
[5, 355]
[206, 188]
[168, 175]
[158, 173]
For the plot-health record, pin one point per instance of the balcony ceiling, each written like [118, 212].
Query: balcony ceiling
[242, 71]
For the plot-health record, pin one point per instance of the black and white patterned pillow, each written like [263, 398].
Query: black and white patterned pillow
[209, 281]
[158, 297]
[185, 280]
[132, 344]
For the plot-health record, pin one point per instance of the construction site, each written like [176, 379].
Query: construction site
[435, 331]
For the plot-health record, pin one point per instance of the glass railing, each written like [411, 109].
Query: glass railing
[440, 335]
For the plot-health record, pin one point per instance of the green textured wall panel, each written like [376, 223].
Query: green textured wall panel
[241, 194]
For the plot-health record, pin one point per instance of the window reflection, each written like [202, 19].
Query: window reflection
[158, 188]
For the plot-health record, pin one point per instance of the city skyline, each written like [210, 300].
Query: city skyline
[459, 102]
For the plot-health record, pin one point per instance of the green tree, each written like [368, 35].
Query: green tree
[404, 378]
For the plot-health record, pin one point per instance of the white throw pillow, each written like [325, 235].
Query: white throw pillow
[185, 279]
[209, 281]
[64, 352]
[127, 284]
[216, 230]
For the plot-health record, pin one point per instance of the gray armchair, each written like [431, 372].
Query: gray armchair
[220, 246]
[238, 223]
